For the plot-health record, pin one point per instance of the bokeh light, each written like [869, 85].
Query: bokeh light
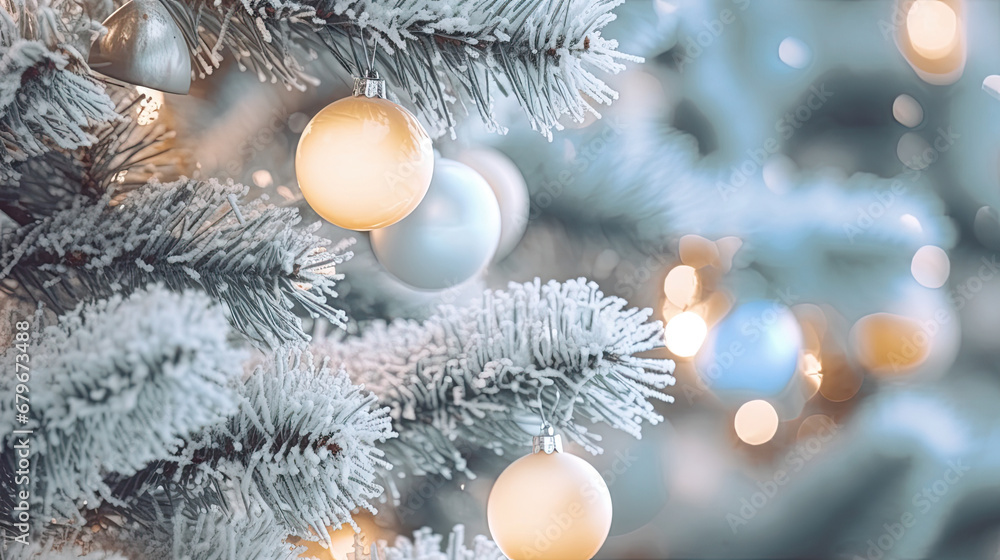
[911, 223]
[930, 266]
[841, 382]
[816, 426]
[684, 334]
[342, 539]
[756, 422]
[794, 53]
[262, 178]
[932, 27]
[907, 111]
[696, 251]
[681, 286]
[888, 344]
[991, 85]
[915, 152]
[780, 173]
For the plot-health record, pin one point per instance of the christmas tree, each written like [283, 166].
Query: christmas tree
[176, 403]
[412, 280]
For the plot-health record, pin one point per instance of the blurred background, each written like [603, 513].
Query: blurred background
[805, 192]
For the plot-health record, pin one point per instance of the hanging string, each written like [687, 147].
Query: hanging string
[369, 61]
[541, 404]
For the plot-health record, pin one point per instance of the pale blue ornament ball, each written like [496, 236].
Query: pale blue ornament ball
[449, 238]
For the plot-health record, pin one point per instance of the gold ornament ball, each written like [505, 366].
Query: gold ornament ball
[364, 163]
[549, 506]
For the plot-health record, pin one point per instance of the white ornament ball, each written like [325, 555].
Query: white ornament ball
[553, 506]
[449, 238]
[364, 163]
[511, 191]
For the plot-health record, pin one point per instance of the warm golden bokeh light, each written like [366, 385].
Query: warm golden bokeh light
[342, 539]
[756, 422]
[149, 107]
[811, 364]
[685, 333]
[932, 27]
[728, 246]
[681, 286]
[886, 343]
[818, 426]
[696, 251]
[840, 381]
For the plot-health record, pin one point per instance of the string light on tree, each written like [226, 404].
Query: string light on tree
[931, 37]
[756, 422]
[364, 162]
[933, 28]
[681, 286]
[684, 334]
[549, 504]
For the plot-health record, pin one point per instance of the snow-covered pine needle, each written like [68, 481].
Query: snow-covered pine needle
[545, 53]
[462, 380]
[183, 234]
[303, 444]
[117, 384]
[47, 98]
[426, 545]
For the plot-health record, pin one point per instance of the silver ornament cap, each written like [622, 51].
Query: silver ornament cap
[547, 442]
[371, 85]
[145, 47]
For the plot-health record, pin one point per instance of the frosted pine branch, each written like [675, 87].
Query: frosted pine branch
[116, 385]
[184, 234]
[546, 53]
[302, 444]
[251, 533]
[461, 380]
[47, 99]
[426, 545]
[124, 156]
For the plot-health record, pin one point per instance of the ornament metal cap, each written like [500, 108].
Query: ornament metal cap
[371, 85]
[547, 442]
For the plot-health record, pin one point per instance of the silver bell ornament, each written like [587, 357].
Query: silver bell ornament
[145, 47]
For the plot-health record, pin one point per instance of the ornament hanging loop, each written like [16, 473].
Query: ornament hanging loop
[368, 83]
[547, 441]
